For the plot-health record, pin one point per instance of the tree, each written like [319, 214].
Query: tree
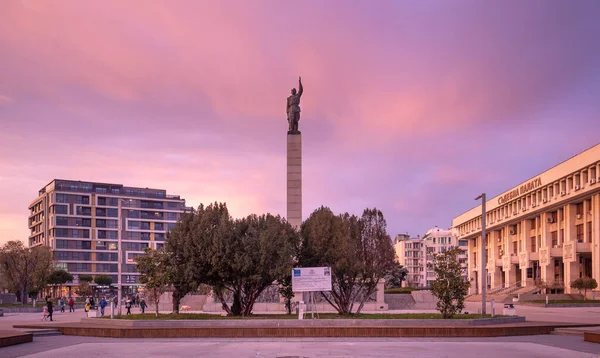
[103, 280]
[59, 277]
[177, 248]
[25, 270]
[154, 274]
[449, 287]
[285, 290]
[358, 250]
[239, 258]
[395, 276]
[84, 288]
[584, 284]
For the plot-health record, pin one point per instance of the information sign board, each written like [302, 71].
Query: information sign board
[307, 279]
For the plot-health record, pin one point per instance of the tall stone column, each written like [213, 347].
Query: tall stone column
[294, 179]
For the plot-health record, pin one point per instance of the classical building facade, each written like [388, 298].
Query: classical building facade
[98, 228]
[545, 230]
[416, 254]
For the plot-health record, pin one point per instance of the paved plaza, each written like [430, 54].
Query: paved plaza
[513, 347]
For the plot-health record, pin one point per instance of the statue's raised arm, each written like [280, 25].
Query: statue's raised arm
[300, 88]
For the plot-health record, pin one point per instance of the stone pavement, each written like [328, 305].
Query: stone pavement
[532, 347]
[586, 315]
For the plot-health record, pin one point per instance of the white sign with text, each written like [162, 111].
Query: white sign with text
[307, 279]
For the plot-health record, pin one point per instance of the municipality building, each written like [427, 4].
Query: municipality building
[542, 232]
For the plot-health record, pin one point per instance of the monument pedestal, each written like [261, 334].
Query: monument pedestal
[294, 179]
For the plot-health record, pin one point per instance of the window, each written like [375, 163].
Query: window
[589, 227]
[61, 209]
[62, 198]
[170, 226]
[463, 243]
[159, 236]
[62, 244]
[172, 216]
[84, 211]
[554, 237]
[80, 199]
[101, 201]
[60, 255]
[100, 223]
[83, 222]
[579, 232]
[515, 247]
[173, 205]
[100, 212]
[134, 225]
[84, 245]
[113, 202]
[113, 213]
[562, 236]
[159, 226]
[579, 209]
[135, 214]
[145, 225]
[561, 215]
[533, 244]
[62, 221]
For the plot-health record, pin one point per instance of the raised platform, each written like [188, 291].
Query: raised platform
[289, 328]
[9, 338]
[592, 336]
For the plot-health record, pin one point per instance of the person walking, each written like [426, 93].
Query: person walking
[61, 304]
[143, 305]
[71, 304]
[115, 301]
[128, 306]
[45, 314]
[103, 304]
[49, 306]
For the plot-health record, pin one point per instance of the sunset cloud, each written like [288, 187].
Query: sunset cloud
[410, 107]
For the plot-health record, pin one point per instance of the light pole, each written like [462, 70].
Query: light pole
[483, 255]
[119, 249]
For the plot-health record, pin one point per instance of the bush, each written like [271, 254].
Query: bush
[400, 290]
[584, 284]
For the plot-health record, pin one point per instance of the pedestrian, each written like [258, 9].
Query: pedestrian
[49, 305]
[115, 300]
[128, 306]
[133, 302]
[45, 314]
[142, 305]
[71, 304]
[92, 303]
[61, 304]
[103, 304]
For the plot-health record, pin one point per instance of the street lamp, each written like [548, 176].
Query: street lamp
[483, 255]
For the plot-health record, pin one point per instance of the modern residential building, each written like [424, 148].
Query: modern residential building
[416, 254]
[98, 228]
[545, 230]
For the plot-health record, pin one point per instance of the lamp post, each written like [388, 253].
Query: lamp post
[119, 249]
[483, 255]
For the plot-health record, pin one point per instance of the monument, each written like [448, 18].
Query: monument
[294, 158]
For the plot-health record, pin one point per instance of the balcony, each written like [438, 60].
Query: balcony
[584, 247]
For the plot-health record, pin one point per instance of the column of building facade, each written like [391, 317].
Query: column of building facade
[524, 262]
[508, 266]
[545, 259]
[596, 236]
[493, 268]
[570, 261]
[471, 258]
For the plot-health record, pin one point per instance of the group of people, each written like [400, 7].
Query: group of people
[90, 304]
[49, 309]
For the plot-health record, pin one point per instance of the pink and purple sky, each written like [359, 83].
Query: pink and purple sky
[412, 107]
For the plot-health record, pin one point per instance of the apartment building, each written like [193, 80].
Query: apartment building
[416, 254]
[544, 230]
[99, 228]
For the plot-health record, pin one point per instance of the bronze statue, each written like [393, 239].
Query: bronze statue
[293, 108]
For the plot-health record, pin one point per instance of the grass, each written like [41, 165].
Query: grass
[204, 316]
[566, 301]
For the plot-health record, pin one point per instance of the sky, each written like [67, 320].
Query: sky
[411, 107]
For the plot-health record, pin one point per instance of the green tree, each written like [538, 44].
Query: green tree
[584, 284]
[86, 278]
[58, 278]
[25, 270]
[154, 269]
[395, 276]
[103, 280]
[285, 290]
[358, 250]
[449, 287]
[84, 288]
[177, 248]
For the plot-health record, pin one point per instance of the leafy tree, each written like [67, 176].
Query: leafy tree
[59, 277]
[358, 250]
[395, 276]
[103, 280]
[177, 248]
[154, 274]
[285, 290]
[24, 269]
[584, 284]
[86, 278]
[84, 289]
[449, 287]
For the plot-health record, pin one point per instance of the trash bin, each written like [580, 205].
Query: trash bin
[509, 309]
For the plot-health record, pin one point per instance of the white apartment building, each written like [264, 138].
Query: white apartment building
[546, 229]
[417, 253]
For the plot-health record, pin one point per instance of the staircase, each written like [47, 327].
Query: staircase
[45, 332]
[499, 294]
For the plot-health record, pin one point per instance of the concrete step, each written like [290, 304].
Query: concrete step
[45, 332]
[573, 331]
